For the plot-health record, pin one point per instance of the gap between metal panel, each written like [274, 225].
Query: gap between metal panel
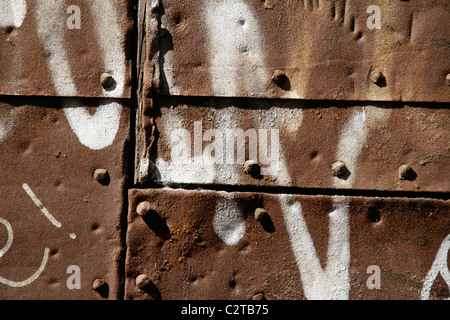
[303, 191]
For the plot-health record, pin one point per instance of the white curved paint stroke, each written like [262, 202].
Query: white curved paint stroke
[439, 266]
[12, 13]
[236, 52]
[333, 283]
[95, 131]
[18, 284]
[99, 130]
[6, 247]
[228, 222]
[10, 236]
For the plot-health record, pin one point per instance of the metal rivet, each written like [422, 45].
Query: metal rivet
[142, 281]
[377, 77]
[143, 208]
[405, 172]
[98, 284]
[258, 296]
[447, 79]
[101, 175]
[260, 214]
[279, 76]
[339, 169]
[251, 167]
[106, 80]
[101, 287]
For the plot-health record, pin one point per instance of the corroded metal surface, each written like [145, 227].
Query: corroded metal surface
[344, 50]
[207, 141]
[61, 188]
[209, 245]
[62, 48]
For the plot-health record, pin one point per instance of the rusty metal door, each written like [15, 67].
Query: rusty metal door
[224, 150]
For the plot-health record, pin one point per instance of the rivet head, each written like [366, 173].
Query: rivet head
[101, 287]
[260, 214]
[258, 296]
[143, 281]
[405, 172]
[98, 284]
[447, 79]
[251, 167]
[101, 175]
[339, 169]
[106, 80]
[143, 208]
[377, 77]
[279, 76]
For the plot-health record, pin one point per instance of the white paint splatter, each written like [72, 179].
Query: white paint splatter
[439, 267]
[333, 283]
[99, 130]
[236, 51]
[12, 13]
[95, 131]
[18, 284]
[228, 221]
[39, 204]
[10, 236]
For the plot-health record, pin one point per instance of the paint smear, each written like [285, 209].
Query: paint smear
[12, 13]
[228, 222]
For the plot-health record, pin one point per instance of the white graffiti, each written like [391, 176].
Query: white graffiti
[228, 222]
[12, 13]
[333, 283]
[99, 130]
[41, 207]
[439, 266]
[236, 48]
[17, 284]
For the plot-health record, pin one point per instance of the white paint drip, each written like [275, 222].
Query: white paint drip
[12, 13]
[439, 267]
[236, 51]
[228, 221]
[10, 236]
[110, 39]
[39, 204]
[99, 130]
[333, 283]
[18, 284]
[95, 131]
[353, 140]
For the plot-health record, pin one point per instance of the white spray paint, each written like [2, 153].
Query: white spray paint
[236, 51]
[228, 222]
[41, 207]
[185, 169]
[333, 283]
[12, 13]
[10, 236]
[439, 267]
[18, 284]
[111, 40]
[96, 131]
[353, 140]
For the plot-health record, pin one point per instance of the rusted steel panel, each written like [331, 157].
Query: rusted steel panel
[63, 165]
[381, 146]
[217, 245]
[333, 50]
[65, 48]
